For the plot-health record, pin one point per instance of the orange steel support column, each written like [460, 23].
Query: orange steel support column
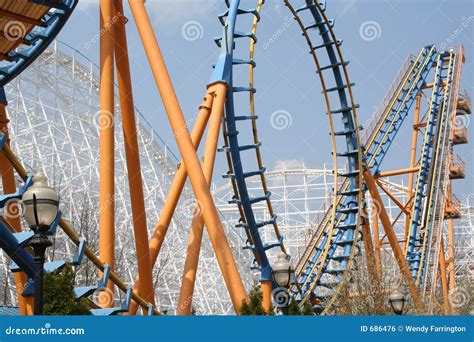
[133, 156]
[106, 119]
[178, 182]
[195, 235]
[266, 288]
[369, 248]
[198, 181]
[378, 260]
[452, 277]
[411, 177]
[392, 238]
[25, 304]
[397, 172]
[444, 279]
[174, 193]
[368, 245]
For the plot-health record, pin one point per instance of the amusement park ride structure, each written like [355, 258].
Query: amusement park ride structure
[408, 212]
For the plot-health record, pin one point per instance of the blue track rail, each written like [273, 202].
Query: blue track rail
[429, 173]
[387, 133]
[322, 287]
[339, 242]
[343, 107]
[38, 39]
[223, 72]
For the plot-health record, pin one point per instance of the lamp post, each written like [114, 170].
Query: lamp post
[397, 301]
[40, 209]
[282, 274]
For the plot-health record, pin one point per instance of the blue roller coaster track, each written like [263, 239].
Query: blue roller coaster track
[324, 267]
[37, 39]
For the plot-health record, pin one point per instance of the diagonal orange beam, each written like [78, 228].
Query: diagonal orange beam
[195, 235]
[444, 279]
[392, 197]
[411, 176]
[132, 155]
[212, 221]
[392, 238]
[175, 191]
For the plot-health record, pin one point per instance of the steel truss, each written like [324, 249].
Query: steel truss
[54, 127]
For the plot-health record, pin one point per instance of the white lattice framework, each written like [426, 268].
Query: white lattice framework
[301, 194]
[53, 109]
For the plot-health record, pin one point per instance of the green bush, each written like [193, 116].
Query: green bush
[254, 307]
[59, 297]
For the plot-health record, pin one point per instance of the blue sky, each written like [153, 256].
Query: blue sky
[285, 77]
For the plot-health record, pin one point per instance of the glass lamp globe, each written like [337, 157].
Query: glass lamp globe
[397, 301]
[40, 202]
[282, 271]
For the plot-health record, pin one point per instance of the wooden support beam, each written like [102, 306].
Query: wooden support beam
[18, 17]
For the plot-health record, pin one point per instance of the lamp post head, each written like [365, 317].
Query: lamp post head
[397, 301]
[283, 271]
[41, 203]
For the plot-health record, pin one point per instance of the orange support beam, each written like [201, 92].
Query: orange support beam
[106, 122]
[369, 247]
[266, 288]
[452, 277]
[132, 155]
[398, 172]
[195, 235]
[25, 305]
[444, 280]
[411, 177]
[175, 191]
[392, 197]
[377, 245]
[392, 238]
[191, 161]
